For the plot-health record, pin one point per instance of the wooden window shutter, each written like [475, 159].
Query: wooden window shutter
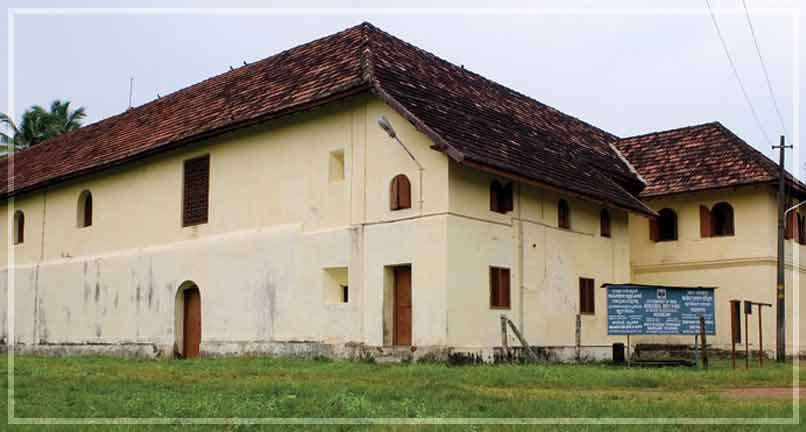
[801, 229]
[499, 287]
[789, 231]
[504, 273]
[563, 214]
[19, 222]
[587, 304]
[495, 196]
[604, 222]
[403, 192]
[654, 231]
[400, 193]
[507, 202]
[393, 203]
[705, 222]
[196, 191]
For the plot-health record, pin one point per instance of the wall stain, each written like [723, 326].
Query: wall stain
[97, 292]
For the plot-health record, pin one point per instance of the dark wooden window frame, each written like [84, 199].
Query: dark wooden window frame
[722, 220]
[501, 197]
[587, 296]
[500, 288]
[605, 223]
[19, 227]
[399, 193]
[196, 191]
[659, 231]
[563, 214]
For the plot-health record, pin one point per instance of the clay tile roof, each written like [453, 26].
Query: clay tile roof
[696, 158]
[475, 121]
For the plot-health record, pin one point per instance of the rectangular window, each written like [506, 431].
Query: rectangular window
[499, 288]
[587, 305]
[196, 191]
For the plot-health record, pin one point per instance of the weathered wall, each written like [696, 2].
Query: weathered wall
[276, 222]
[742, 266]
[545, 264]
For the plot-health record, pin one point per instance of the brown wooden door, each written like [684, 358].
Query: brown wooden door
[402, 311]
[192, 323]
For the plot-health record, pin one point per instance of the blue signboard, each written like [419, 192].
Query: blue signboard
[657, 310]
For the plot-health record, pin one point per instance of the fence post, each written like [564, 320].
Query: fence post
[504, 342]
[704, 353]
[578, 338]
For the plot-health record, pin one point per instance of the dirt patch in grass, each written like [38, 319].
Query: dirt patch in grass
[764, 393]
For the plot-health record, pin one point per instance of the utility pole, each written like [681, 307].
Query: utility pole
[780, 301]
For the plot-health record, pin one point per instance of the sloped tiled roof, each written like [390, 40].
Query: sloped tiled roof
[695, 158]
[475, 121]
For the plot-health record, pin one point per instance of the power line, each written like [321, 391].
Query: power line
[736, 74]
[764, 67]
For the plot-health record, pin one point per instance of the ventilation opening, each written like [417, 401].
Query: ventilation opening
[336, 166]
[337, 287]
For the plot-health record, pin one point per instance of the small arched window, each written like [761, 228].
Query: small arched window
[501, 197]
[400, 193]
[604, 223]
[563, 214]
[664, 228]
[722, 219]
[19, 227]
[84, 213]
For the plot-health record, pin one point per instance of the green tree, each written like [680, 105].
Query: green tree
[38, 124]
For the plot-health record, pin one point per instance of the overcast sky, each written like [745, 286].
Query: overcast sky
[625, 73]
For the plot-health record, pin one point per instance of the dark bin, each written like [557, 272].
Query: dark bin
[618, 353]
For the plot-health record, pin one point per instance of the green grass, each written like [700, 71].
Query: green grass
[262, 387]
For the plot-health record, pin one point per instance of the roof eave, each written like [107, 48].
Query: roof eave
[645, 211]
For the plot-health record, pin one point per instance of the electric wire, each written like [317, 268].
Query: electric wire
[736, 74]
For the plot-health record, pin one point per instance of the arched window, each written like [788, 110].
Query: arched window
[501, 197]
[563, 214]
[84, 214]
[604, 223]
[664, 228]
[400, 193]
[19, 227]
[722, 220]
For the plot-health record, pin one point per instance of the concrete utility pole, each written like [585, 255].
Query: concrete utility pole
[780, 313]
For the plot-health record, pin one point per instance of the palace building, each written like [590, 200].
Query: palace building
[265, 211]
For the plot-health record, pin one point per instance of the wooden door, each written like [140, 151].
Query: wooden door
[192, 323]
[402, 309]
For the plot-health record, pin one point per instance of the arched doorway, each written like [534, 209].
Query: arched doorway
[188, 320]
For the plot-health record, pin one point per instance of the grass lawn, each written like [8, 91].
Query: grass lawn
[262, 387]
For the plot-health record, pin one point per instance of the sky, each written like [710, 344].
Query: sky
[624, 72]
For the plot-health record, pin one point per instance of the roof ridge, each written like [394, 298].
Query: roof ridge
[485, 79]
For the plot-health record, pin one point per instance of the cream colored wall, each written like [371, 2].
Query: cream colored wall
[275, 222]
[545, 264]
[742, 266]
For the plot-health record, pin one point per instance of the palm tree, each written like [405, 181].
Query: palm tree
[38, 124]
